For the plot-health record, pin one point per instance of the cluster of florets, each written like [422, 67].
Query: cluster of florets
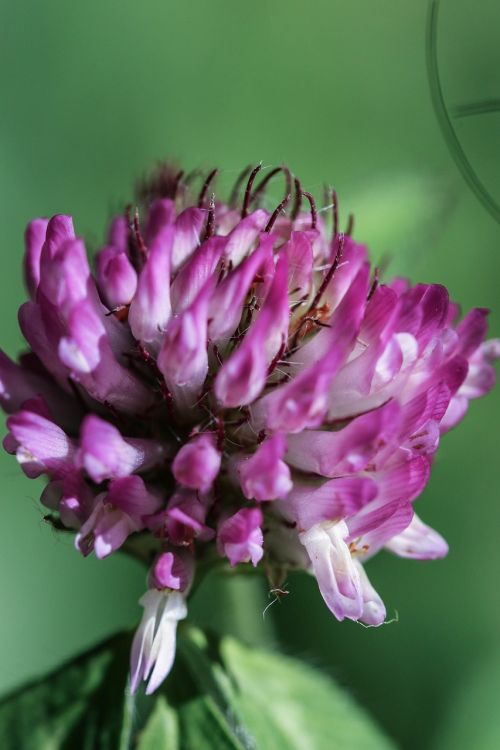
[234, 384]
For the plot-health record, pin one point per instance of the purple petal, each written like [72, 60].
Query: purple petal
[456, 411]
[243, 376]
[183, 356]
[173, 570]
[240, 538]
[241, 239]
[195, 273]
[118, 234]
[105, 454]
[40, 337]
[303, 401]
[472, 331]
[264, 476]
[111, 531]
[334, 499]
[353, 258]
[377, 522]
[418, 542]
[34, 237]
[347, 450]
[116, 277]
[150, 310]
[187, 230]
[43, 446]
[131, 496]
[59, 230]
[226, 306]
[18, 384]
[197, 463]
[161, 214]
[105, 530]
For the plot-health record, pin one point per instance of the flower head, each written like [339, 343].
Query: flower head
[235, 382]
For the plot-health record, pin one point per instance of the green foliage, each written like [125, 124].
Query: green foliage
[83, 705]
[220, 696]
[288, 705]
[161, 731]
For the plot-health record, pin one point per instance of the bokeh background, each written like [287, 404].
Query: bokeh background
[94, 93]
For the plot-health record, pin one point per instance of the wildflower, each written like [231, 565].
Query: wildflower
[234, 381]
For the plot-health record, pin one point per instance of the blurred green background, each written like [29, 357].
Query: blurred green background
[92, 94]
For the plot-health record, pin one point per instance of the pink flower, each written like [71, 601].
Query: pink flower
[236, 382]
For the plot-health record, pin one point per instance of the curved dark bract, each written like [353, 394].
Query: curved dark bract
[444, 119]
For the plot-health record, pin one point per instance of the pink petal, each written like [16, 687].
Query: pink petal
[118, 234]
[195, 273]
[336, 452]
[303, 401]
[183, 356]
[173, 570]
[43, 446]
[116, 277]
[188, 226]
[105, 454]
[34, 237]
[59, 230]
[131, 496]
[335, 499]
[264, 476]
[161, 214]
[150, 310]
[336, 572]
[240, 537]
[418, 542]
[226, 305]
[472, 331]
[243, 376]
[241, 239]
[197, 463]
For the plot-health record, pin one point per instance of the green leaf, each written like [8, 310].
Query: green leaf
[204, 726]
[82, 706]
[287, 704]
[162, 729]
[271, 702]
[219, 696]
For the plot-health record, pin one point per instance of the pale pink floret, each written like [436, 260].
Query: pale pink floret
[237, 378]
[153, 647]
